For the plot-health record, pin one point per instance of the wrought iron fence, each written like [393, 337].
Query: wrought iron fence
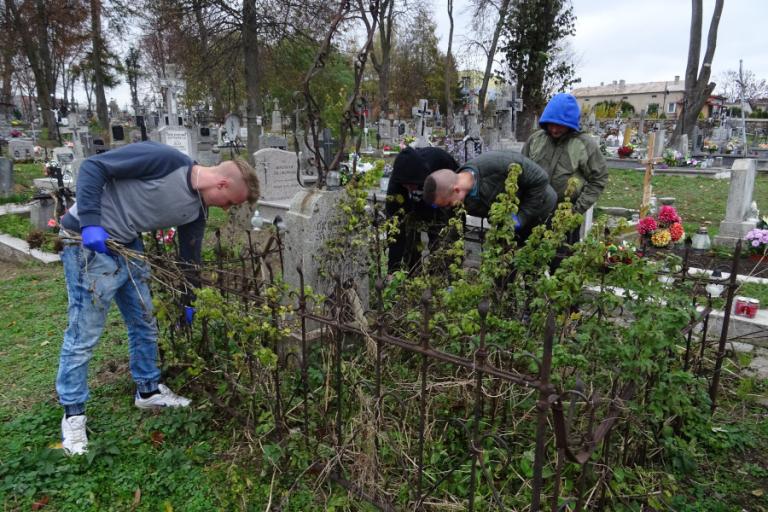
[396, 418]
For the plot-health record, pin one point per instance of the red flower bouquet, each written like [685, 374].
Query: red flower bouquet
[625, 151]
[664, 229]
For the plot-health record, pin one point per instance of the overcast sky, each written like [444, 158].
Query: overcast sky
[647, 40]
[633, 40]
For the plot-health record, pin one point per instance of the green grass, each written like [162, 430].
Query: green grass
[697, 199]
[23, 174]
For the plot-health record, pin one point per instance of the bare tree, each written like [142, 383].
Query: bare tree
[34, 23]
[97, 59]
[487, 13]
[370, 17]
[697, 85]
[730, 85]
[382, 65]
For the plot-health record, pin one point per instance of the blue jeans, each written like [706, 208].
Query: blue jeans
[93, 281]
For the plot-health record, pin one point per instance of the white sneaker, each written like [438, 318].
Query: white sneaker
[74, 439]
[165, 398]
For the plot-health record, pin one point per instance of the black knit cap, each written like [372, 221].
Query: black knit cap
[410, 167]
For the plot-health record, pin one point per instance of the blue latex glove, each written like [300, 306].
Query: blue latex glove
[189, 314]
[516, 221]
[95, 239]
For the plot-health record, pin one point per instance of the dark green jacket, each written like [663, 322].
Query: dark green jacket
[537, 198]
[574, 154]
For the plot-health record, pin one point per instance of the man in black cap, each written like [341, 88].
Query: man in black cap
[410, 169]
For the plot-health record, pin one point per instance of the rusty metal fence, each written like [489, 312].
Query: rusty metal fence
[396, 419]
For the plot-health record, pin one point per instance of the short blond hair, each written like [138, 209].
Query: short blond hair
[248, 174]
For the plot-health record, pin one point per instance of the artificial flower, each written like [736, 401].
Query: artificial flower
[668, 215]
[661, 238]
[676, 231]
[647, 225]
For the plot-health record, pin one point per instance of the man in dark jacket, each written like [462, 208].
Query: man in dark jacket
[410, 169]
[479, 181]
[564, 152]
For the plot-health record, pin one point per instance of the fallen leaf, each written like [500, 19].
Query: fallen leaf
[56, 446]
[40, 503]
[136, 498]
[44, 343]
[757, 492]
[157, 438]
[168, 507]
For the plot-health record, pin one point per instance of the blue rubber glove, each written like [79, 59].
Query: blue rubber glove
[95, 239]
[189, 314]
[516, 221]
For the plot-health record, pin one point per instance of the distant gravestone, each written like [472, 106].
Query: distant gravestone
[64, 156]
[178, 138]
[277, 119]
[21, 149]
[273, 141]
[118, 133]
[736, 226]
[276, 170]
[6, 177]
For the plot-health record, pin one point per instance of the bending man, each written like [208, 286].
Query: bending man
[120, 194]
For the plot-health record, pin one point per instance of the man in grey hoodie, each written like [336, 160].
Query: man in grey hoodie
[120, 194]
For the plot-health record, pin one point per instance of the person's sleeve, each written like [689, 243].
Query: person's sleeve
[595, 172]
[397, 196]
[135, 161]
[533, 183]
[190, 248]
[526, 151]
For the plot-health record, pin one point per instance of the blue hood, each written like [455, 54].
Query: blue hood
[561, 109]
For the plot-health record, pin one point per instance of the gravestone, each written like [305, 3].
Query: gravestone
[273, 141]
[178, 138]
[6, 177]
[276, 170]
[735, 226]
[682, 145]
[385, 131]
[698, 139]
[21, 149]
[658, 144]
[277, 119]
[65, 156]
[313, 218]
[204, 143]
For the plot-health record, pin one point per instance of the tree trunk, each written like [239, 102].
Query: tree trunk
[38, 55]
[252, 74]
[503, 8]
[697, 84]
[98, 64]
[383, 66]
[449, 78]
[6, 93]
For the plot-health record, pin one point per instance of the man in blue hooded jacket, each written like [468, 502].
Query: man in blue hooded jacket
[564, 152]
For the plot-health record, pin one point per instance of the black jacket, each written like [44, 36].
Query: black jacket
[413, 166]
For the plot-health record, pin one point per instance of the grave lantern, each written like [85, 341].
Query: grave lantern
[715, 289]
[700, 240]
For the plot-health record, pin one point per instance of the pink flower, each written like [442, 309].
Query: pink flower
[51, 223]
[647, 225]
[668, 215]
